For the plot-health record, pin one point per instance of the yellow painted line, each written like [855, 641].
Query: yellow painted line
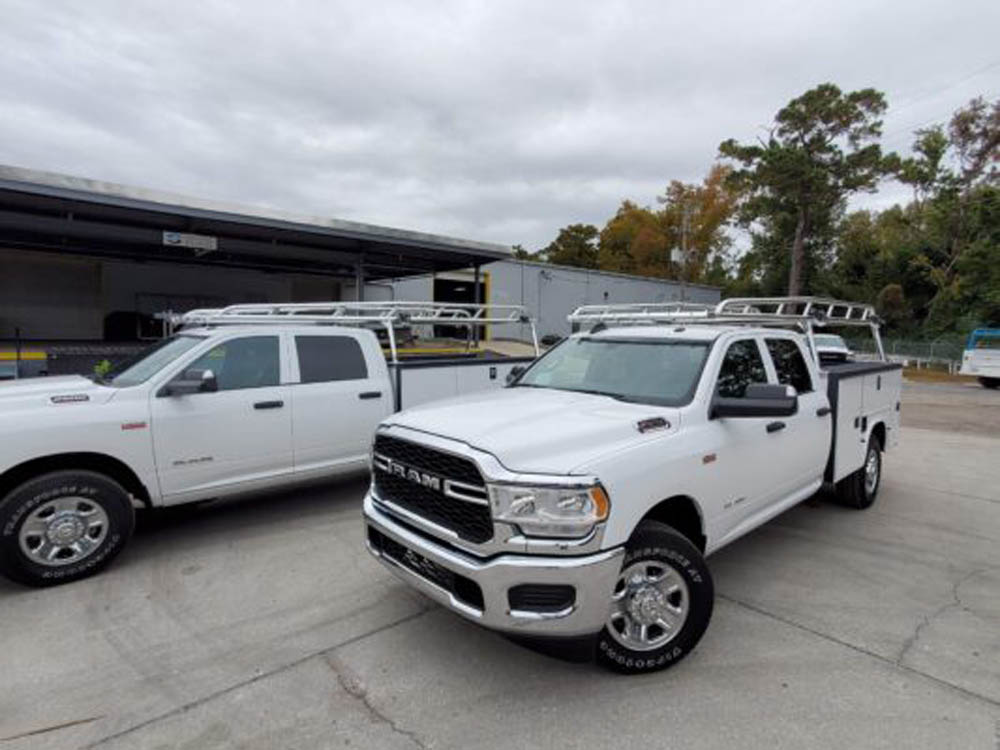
[24, 355]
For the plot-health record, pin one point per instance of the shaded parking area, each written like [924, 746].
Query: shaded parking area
[262, 623]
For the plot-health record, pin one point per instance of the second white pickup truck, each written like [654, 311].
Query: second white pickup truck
[583, 500]
[245, 398]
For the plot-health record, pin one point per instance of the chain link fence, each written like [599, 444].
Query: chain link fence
[946, 350]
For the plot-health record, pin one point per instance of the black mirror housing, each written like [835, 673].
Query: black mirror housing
[192, 381]
[760, 400]
[515, 373]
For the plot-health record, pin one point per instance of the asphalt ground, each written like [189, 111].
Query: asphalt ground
[262, 623]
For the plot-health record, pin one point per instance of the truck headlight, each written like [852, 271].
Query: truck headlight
[550, 511]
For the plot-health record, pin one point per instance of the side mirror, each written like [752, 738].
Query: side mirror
[760, 400]
[515, 372]
[192, 381]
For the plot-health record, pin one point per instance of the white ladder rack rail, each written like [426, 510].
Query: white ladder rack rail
[805, 313]
[387, 315]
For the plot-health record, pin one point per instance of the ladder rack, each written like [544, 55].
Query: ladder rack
[805, 313]
[379, 315]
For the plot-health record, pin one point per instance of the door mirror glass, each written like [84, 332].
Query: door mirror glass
[760, 400]
[193, 381]
[514, 374]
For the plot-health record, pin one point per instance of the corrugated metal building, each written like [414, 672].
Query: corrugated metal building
[549, 292]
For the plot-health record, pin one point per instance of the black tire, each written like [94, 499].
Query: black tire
[854, 490]
[661, 545]
[991, 383]
[110, 532]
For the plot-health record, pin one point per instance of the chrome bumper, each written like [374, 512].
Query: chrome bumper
[593, 576]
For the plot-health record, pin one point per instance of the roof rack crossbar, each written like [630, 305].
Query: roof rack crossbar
[805, 313]
[818, 311]
[388, 315]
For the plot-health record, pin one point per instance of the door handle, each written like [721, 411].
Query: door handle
[370, 394]
[775, 426]
[268, 404]
[823, 411]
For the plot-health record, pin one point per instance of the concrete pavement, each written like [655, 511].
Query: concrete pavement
[261, 623]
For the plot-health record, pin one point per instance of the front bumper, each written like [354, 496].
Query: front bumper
[592, 576]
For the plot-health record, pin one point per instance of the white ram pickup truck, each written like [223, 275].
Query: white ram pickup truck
[251, 397]
[582, 500]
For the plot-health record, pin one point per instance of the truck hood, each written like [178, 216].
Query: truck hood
[539, 430]
[67, 390]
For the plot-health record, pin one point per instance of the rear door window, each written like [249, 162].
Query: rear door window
[789, 364]
[741, 367]
[326, 359]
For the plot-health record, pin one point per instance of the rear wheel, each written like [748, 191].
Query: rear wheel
[661, 603]
[860, 489]
[992, 383]
[63, 526]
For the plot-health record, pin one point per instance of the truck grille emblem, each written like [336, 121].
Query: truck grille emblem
[429, 481]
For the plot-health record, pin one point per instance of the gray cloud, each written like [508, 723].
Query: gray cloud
[496, 121]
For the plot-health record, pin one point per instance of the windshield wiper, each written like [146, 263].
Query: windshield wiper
[609, 394]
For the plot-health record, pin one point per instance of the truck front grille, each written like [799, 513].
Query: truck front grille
[425, 481]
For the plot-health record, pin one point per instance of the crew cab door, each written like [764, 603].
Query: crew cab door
[802, 443]
[341, 395]
[231, 439]
[744, 462]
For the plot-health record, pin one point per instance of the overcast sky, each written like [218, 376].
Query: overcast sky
[496, 120]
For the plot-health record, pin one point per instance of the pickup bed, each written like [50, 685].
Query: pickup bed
[582, 500]
[209, 412]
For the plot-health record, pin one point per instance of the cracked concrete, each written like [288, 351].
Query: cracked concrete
[926, 621]
[355, 687]
[262, 623]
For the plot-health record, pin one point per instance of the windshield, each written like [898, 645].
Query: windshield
[649, 372]
[142, 366]
[827, 339]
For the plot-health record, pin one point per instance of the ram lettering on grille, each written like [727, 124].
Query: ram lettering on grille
[429, 481]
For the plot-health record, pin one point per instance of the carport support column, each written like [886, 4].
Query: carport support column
[359, 280]
[478, 300]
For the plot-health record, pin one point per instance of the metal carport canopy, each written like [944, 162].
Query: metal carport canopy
[58, 213]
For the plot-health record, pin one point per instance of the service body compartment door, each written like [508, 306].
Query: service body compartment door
[881, 394]
[848, 444]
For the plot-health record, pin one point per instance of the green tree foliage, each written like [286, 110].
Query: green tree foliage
[685, 239]
[576, 245]
[933, 266]
[822, 147]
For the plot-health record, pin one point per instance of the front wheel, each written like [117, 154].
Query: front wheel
[991, 383]
[63, 526]
[661, 603]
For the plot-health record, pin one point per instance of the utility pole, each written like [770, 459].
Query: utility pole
[685, 228]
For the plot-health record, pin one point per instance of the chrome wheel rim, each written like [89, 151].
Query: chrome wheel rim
[63, 531]
[649, 606]
[871, 471]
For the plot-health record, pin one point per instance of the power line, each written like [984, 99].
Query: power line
[953, 84]
[896, 134]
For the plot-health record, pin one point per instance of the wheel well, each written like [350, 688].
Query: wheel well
[878, 431]
[98, 462]
[681, 513]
